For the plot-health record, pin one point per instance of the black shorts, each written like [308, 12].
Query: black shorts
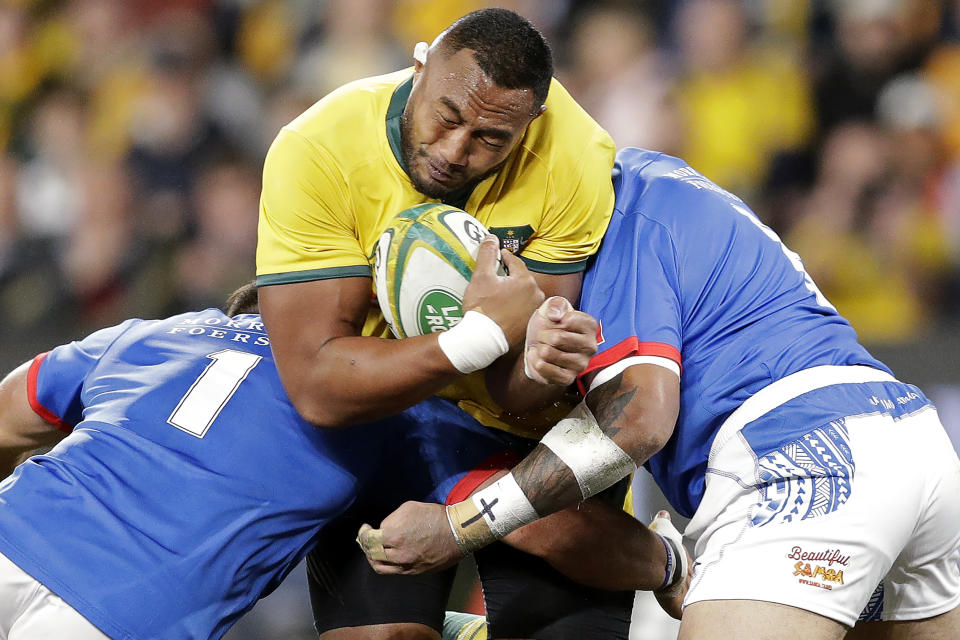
[346, 592]
[524, 596]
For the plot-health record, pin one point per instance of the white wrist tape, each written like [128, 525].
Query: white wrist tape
[490, 514]
[596, 461]
[457, 536]
[504, 506]
[474, 342]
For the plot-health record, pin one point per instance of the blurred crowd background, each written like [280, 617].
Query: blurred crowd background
[132, 134]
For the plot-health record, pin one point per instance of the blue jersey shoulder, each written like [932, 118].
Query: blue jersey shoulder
[689, 272]
[188, 465]
[665, 188]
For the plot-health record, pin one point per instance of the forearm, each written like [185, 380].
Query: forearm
[353, 380]
[559, 344]
[335, 376]
[512, 389]
[602, 546]
[21, 430]
[584, 454]
[550, 484]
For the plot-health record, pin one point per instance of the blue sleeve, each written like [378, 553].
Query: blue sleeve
[56, 378]
[633, 290]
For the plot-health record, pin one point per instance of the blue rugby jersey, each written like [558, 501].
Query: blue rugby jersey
[687, 271]
[189, 486]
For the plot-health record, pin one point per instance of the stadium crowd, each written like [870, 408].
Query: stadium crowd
[132, 135]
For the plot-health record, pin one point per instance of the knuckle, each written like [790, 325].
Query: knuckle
[561, 379]
[584, 350]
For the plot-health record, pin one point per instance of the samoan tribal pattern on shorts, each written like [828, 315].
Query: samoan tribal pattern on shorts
[790, 467]
[873, 612]
[806, 478]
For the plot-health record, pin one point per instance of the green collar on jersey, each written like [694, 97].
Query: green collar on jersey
[394, 115]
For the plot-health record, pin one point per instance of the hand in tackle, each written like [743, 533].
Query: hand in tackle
[559, 344]
[495, 310]
[416, 538]
[581, 456]
[679, 568]
[509, 299]
[420, 538]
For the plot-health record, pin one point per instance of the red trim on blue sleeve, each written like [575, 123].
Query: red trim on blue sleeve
[503, 460]
[38, 408]
[625, 349]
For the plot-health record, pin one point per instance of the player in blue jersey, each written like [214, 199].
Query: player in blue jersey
[822, 491]
[183, 486]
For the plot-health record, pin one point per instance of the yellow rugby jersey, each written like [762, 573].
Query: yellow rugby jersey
[334, 177]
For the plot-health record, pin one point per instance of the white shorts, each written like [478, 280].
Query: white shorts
[30, 611]
[857, 519]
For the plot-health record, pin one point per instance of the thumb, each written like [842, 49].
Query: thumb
[371, 541]
[514, 265]
[554, 308]
[487, 255]
[663, 525]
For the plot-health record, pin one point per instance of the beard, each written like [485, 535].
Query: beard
[417, 157]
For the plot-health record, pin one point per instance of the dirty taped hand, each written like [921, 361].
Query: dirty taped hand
[416, 538]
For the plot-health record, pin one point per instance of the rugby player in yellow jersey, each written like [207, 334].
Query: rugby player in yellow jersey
[478, 123]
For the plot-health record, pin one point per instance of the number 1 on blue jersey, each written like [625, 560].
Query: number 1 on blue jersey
[211, 391]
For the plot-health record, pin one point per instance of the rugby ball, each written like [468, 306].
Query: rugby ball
[423, 263]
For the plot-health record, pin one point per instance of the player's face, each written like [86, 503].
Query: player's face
[458, 126]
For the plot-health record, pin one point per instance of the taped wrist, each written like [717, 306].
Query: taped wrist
[678, 563]
[596, 461]
[474, 342]
[490, 514]
[672, 568]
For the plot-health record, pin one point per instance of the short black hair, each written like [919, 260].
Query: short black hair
[507, 47]
[246, 299]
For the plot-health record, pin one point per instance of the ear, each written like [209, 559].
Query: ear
[419, 56]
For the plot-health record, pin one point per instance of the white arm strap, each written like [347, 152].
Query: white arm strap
[596, 461]
[619, 366]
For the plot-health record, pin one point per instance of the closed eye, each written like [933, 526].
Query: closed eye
[493, 144]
